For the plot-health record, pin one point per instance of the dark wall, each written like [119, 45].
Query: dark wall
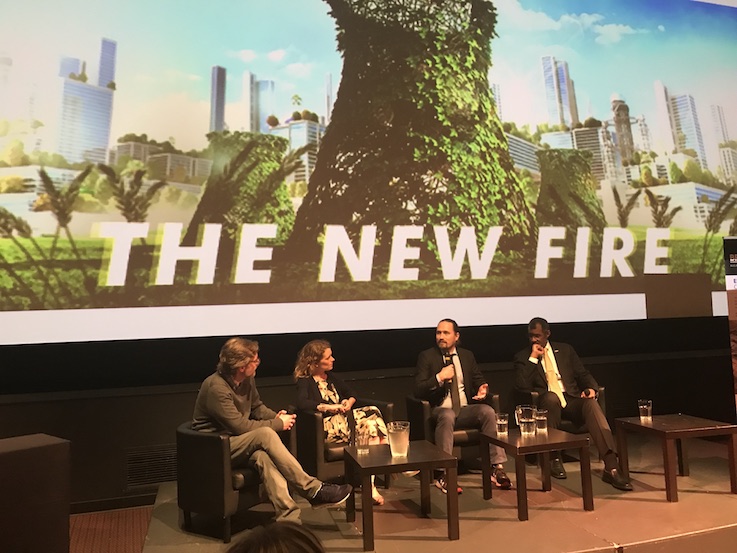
[136, 363]
[119, 403]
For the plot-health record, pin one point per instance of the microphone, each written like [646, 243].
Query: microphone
[448, 360]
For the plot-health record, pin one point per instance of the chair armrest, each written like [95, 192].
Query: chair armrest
[602, 399]
[310, 434]
[526, 398]
[418, 413]
[203, 469]
[386, 407]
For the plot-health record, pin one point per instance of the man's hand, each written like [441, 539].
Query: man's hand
[537, 351]
[588, 393]
[286, 419]
[447, 373]
[481, 394]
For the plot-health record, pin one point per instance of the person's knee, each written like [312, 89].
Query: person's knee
[445, 418]
[265, 435]
[549, 401]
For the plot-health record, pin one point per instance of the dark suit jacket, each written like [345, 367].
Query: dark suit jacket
[530, 377]
[430, 362]
[308, 394]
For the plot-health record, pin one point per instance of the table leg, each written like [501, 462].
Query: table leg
[586, 488]
[521, 471]
[367, 512]
[545, 471]
[622, 453]
[425, 477]
[451, 475]
[669, 465]
[682, 455]
[350, 504]
[485, 468]
[732, 444]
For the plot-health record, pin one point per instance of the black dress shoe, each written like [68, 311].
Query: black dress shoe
[615, 478]
[557, 470]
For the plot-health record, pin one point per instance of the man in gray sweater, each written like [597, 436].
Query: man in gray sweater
[228, 402]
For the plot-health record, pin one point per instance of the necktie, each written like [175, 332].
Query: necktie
[553, 383]
[455, 398]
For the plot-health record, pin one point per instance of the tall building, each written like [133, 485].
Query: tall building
[597, 140]
[108, 54]
[250, 99]
[299, 134]
[496, 90]
[641, 135]
[86, 110]
[560, 92]
[728, 162]
[266, 103]
[524, 154]
[623, 127]
[328, 97]
[679, 123]
[217, 99]
[720, 124]
[6, 66]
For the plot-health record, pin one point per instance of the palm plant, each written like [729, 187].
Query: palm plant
[132, 201]
[624, 210]
[713, 223]
[62, 202]
[662, 218]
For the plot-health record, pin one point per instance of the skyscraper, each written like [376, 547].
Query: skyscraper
[217, 99]
[328, 97]
[496, 90]
[720, 124]
[86, 109]
[679, 123]
[560, 93]
[622, 127]
[250, 99]
[108, 53]
[299, 134]
[266, 103]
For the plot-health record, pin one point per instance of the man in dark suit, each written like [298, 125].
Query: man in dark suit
[568, 391]
[449, 378]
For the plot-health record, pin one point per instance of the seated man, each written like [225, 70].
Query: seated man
[568, 391]
[229, 402]
[449, 378]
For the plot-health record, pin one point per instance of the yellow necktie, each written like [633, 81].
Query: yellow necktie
[553, 383]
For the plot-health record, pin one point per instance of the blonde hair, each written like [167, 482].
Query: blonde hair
[308, 357]
[235, 353]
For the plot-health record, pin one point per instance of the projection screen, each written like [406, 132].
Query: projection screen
[190, 168]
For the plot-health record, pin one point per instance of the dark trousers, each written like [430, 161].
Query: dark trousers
[580, 411]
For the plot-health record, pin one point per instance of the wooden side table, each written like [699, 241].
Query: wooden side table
[671, 430]
[518, 446]
[423, 456]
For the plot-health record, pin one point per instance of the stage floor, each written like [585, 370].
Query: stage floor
[640, 521]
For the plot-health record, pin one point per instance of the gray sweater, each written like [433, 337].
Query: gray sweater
[222, 408]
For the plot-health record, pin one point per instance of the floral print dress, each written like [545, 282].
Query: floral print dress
[368, 419]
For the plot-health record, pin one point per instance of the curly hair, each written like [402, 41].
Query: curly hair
[235, 353]
[308, 357]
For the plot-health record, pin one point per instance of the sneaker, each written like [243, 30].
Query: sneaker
[331, 494]
[442, 485]
[499, 478]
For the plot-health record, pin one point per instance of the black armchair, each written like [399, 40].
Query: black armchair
[422, 425]
[206, 482]
[319, 458]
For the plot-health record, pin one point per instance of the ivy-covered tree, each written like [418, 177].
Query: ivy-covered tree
[247, 184]
[568, 193]
[414, 137]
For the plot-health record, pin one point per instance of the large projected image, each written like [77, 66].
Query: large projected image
[196, 168]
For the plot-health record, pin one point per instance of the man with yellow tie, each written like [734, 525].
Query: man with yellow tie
[568, 391]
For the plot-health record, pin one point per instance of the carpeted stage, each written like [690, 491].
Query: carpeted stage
[641, 521]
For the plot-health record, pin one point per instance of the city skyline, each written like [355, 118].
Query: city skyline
[162, 72]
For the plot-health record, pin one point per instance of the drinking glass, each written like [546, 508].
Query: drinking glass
[541, 420]
[398, 438]
[502, 423]
[645, 406]
[525, 417]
